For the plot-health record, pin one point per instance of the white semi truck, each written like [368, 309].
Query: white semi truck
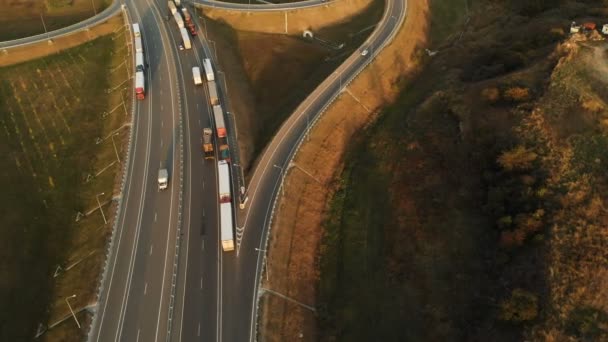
[178, 19]
[223, 172]
[208, 70]
[185, 38]
[172, 7]
[226, 227]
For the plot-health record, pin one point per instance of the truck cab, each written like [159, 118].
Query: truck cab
[163, 179]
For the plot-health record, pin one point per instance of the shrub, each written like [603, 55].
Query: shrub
[518, 158]
[491, 94]
[517, 94]
[520, 307]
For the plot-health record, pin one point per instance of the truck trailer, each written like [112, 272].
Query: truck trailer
[136, 31]
[178, 19]
[220, 126]
[213, 93]
[208, 143]
[223, 173]
[226, 227]
[140, 85]
[185, 38]
[172, 7]
[139, 61]
[139, 47]
[208, 70]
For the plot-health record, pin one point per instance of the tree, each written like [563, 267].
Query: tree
[520, 307]
[518, 158]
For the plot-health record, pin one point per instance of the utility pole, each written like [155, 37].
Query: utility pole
[72, 311]
[115, 150]
[99, 205]
[44, 25]
[94, 9]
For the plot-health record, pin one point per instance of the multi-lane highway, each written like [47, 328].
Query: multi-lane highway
[166, 276]
[136, 288]
[241, 275]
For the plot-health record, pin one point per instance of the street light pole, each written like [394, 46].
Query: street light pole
[99, 205]
[72, 311]
[115, 150]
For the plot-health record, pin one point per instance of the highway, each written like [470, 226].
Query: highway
[136, 287]
[240, 275]
[161, 282]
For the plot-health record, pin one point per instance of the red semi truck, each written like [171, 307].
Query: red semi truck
[140, 85]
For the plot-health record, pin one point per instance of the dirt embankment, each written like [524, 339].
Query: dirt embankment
[290, 22]
[296, 231]
[29, 52]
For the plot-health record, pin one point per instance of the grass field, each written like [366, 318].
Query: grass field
[471, 210]
[279, 79]
[23, 18]
[58, 128]
[383, 278]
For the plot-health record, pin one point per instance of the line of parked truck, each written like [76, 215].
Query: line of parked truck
[223, 167]
[140, 64]
[184, 22]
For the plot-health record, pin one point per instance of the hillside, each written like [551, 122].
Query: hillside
[473, 209]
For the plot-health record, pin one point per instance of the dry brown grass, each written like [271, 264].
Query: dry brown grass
[297, 20]
[30, 52]
[296, 231]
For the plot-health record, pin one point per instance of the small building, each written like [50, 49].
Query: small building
[605, 29]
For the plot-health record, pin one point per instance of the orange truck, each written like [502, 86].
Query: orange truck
[208, 143]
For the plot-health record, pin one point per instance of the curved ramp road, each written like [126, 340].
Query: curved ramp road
[257, 7]
[100, 17]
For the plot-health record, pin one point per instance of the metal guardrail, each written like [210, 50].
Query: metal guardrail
[258, 7]
[65, 31]
[296, 149]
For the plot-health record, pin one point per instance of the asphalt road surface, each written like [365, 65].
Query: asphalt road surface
[213, 295]
[135, 297]
[239, 276]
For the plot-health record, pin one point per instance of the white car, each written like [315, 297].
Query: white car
[364, 52]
